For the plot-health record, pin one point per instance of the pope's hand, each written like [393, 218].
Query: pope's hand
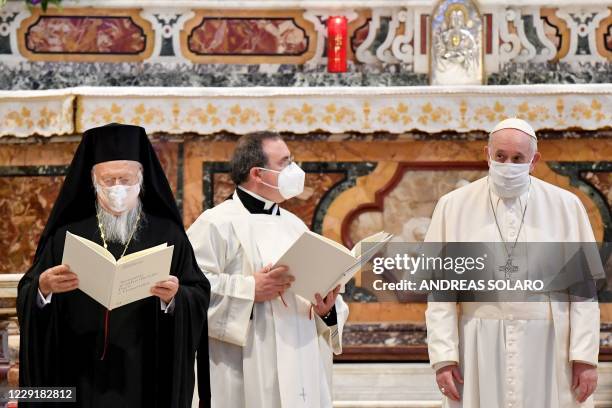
[584, 380]
[166, 290]
[323, 306]
[57, 280]
[446, 377]
[271, 282]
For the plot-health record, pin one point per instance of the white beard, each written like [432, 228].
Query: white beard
[118, 228]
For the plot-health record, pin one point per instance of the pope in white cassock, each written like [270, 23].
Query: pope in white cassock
[513, 354]
[268, 347]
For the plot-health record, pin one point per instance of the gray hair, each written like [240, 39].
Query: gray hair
[119, 228]
[533, 143]
[249, 153]
[140, 177]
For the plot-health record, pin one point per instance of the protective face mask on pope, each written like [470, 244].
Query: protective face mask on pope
[509, 179]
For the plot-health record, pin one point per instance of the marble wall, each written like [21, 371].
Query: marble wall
[356, 182]
[354, 186]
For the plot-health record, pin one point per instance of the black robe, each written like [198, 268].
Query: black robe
[149, 360]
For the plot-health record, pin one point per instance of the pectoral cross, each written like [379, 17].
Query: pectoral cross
[303, 394]
[508, 269]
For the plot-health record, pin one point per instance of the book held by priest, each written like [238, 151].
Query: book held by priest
[114, 283]
[319, 264]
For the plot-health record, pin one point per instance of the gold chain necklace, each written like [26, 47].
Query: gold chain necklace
[129, 240]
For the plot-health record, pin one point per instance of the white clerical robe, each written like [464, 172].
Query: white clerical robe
[513, 354]
[262, 355]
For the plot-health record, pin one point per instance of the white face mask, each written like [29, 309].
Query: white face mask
[290, 180]
[509, 179]
[118, 198]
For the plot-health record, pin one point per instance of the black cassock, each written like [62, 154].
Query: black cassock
[133, 356]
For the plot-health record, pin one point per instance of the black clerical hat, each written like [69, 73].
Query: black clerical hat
[76, 200]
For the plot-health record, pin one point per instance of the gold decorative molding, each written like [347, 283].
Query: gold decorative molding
[134, 15]
[363, 192]
[550, 15]
[600, 35]
[362, 18]
[295, 15]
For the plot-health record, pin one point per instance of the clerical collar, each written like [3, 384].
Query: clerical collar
[255, 203]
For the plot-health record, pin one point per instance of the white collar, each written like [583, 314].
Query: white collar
[267, 203]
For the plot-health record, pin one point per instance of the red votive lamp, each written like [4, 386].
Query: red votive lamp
[336, 44]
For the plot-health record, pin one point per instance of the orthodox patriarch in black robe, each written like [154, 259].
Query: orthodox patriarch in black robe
[136, 355]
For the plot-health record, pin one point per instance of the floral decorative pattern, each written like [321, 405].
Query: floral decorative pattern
[394, 110]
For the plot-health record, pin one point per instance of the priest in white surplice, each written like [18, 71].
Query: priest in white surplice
[515, 355]
[267, 350]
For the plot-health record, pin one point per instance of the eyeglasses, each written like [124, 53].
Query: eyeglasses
[110, 181]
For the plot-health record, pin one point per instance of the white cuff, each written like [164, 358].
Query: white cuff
[443, 364]
[584, 362]
[167, 308]
[42, 301]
